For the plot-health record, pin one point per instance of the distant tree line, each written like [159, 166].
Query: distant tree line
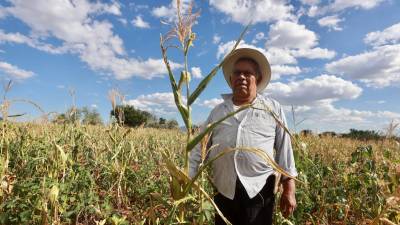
[76, 115]
[122, 114]
[128, 115]
[353, 134]
[363, 135]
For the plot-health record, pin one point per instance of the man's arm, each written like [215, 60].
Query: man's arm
[288, 198]
[284, 157]
[194, 160]
[195, 154]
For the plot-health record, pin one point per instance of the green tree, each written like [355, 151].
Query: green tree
[129, 116]
[363, 134]
[91, 117]
[75, 115]
[60, 118]
[162, 121]
[72, 115]
[172, 124]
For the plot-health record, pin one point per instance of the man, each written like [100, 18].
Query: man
[244, 181]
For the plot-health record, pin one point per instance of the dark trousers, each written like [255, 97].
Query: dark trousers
[245, 211]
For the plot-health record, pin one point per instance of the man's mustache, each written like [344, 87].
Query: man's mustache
[240, 83]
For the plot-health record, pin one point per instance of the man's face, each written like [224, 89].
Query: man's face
[243, 80]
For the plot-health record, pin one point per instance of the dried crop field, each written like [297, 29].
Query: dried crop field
[74, 174]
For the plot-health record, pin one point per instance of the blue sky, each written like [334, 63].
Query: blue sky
[337, 62]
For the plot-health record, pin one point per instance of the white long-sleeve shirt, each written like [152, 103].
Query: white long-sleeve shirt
[250, 128]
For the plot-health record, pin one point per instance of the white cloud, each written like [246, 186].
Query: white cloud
[14, 71]
[216, 39]
[60, 86]
[94, 106]
[245, 11]
[298, 39]
[378, 68]
[286, 34]
[162, 11]
[313, 99]
[324, 115]
[126, 68]
[332, 22]
[388, 114]
[325, 112]
[14, 37]
[211, 103]
[279, 70]
[286, 42]
[340, 5]
[274, 55]
[123, 21]
[34, 43]
[314, 11]
[196, 72]
[169, 12]
[314, 53]
[311, 90]
[225, 48]
[280, 56]
[74, 24]
[113, 8]
[139, 22]
[157, 103]
[259, 36]
[390, 35]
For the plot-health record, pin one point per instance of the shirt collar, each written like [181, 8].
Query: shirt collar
[228, 98]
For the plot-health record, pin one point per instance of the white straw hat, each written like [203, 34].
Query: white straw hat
[254, 54]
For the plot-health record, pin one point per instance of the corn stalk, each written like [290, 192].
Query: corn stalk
[183, 32]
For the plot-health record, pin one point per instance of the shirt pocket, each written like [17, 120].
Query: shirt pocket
[261, 123]
[225, 133]
[224, 136]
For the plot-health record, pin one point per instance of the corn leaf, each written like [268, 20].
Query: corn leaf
[213, 204]
[210, 127]
[177, 97]
[181, 79]
[204, 166]
[17, 115]
[269, 160]
[180, 175]
[258, 152]
[63, 155]
[173, 169]
[176, 189]
[183, 200]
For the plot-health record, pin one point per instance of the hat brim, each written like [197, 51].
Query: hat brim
[254, 54]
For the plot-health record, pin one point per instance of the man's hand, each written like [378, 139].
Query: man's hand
[288, 199]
